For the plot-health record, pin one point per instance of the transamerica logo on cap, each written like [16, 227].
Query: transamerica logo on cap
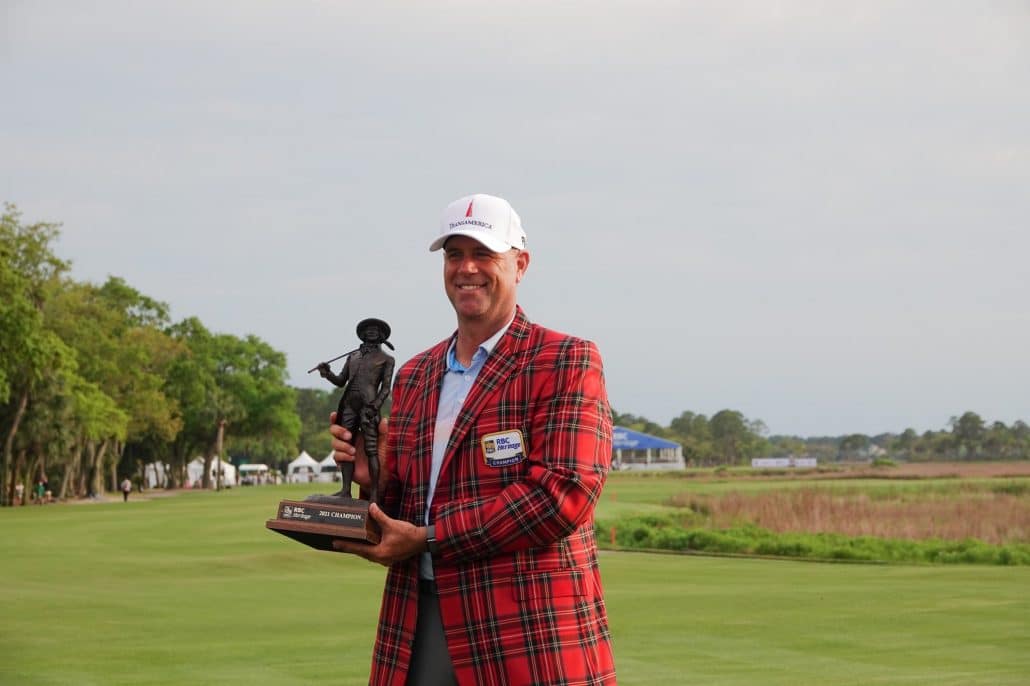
[473, 222]
[468, 212]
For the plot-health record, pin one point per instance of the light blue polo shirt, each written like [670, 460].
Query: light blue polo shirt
[457, 383]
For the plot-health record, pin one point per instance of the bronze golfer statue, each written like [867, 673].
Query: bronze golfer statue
[365, 378]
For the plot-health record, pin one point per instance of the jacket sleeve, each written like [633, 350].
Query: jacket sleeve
[570, 450]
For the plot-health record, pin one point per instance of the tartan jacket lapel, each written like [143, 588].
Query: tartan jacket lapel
[428, 395]
[494, 372]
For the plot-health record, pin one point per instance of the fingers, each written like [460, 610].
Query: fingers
[400, 540]
[341, 434]
[344, 452]
[343, 447]
[384, 436]
[372, 553]
[380, 517]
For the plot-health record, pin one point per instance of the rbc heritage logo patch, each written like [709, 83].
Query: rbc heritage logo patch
[503, 448]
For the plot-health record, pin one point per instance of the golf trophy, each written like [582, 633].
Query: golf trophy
[365, 378]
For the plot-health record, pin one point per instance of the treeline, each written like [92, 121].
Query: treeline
[97, 380]
[730, 438]
[968, 437]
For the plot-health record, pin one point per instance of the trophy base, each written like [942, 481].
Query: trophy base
[317, 521]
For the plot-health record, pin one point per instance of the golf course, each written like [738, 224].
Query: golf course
[190, 588]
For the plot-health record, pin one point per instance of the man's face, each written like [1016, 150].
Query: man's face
[480, 283]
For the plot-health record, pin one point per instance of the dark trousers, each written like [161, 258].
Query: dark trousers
[430, 661]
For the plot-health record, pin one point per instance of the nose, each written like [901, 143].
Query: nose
[468, 265]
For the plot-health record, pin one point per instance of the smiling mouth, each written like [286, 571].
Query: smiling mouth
[469, 286]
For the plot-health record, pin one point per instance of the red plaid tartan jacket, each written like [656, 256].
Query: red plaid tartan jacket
[520, 589]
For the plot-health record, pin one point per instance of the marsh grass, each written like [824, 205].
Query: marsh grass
[922, 513]
[683, 534]
[993, 513]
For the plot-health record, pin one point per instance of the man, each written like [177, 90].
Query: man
[499, 443]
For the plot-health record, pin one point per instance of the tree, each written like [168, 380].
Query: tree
[241, 382]
[313, 408]
[939, 444]
[731, 435]
[94, 380]
[694, 433]
[269, 426]
[642, 424]
[968, 432]
[197, 382]
[853, 446]
[998, 441]
[1020, 433]
[29, 353]
[100, 421]
[786, 446]
[904, 445]
[121, 348]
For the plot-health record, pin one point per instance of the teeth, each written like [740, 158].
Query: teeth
[468, 287]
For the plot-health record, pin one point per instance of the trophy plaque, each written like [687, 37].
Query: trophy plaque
[365, 378]
[319, 519]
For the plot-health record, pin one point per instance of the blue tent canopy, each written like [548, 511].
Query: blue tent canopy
[628, 439]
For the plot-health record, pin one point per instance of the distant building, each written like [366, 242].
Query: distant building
[634, 450]
[789, 462]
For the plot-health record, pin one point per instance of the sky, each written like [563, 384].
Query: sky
[815, 213]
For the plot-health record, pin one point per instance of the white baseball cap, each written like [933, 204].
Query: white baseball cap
[486, 218]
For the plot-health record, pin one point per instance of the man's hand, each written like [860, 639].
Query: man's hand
[347, 448]
[400, 540]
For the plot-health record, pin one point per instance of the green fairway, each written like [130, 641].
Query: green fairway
[193, 589]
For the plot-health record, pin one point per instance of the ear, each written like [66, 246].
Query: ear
[521, 265]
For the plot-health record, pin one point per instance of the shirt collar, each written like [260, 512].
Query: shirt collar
[483, 351]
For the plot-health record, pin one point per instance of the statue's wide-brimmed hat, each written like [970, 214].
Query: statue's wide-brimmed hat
[384, 328]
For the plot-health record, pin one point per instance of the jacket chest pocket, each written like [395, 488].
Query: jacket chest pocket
[494, 453]
[500, 435]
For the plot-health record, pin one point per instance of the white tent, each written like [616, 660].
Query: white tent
[304, 469]
[328, 471]
[195, 472]
[155, 475]
[254, 474]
